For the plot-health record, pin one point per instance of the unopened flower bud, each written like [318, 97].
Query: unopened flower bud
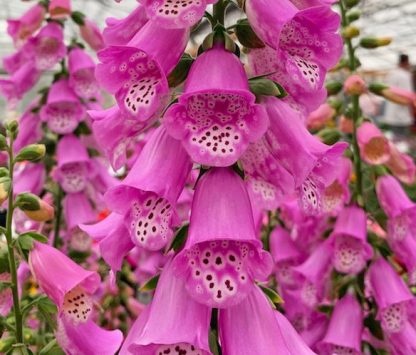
[3, 142]
[39, 210]
[346, 125]
[266, 87]
[333, 87]
[351, 3]
[394, 94]
[353, 15]
[321, 116]
[329, 135]
[351, 32]
[375, 42]
[354, 85]
[13, 128]
[27, 202]
[32, 152]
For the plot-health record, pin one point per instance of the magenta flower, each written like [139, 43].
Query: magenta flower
[120, 32]
[216, 117]
[268, 182]
[301, 45]
[401, 165]
[148, 195]
[345, 328]
[172, 323]
[312, 163]
[304, 4]
[63, 110]
[47, 48]
[6, 298]
[71, 288]
[269, 333]
[394, 300]
[13, 62]
[91, 34]
[374, 147]
[285, 255]
[136, 73]
[351, 249]
[29, 177]
[73, 169]
[222, 256]
[27, 24]
[81, 74]
[30, 131]
[176, 13]
[59, 8]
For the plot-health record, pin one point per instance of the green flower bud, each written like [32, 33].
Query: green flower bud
[333, 87]
[32, 152]
[353, 15]
[350, 32]
[27, 202]
[375, 42]
[3, 142]
[261, 86]
[330, 135]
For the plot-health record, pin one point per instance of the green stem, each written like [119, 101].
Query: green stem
[11, 254]
[355, 115]
[57, 226]
[219, 11]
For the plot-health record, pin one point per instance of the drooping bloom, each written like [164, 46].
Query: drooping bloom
[63, 110]
[285, 255]
[172, 323]
[73, 169]
[71, 288]
[176, 13]
[320, 117]
[216, 117]
[351, 249]
[47, 48]
[29, 177]
[344, 331]
[81, 74]
[267, 181]
[401, 165]
[312, 163]
[29, 129]
[222, 256]
[23, 27]
[91, 34]
[136, 73]
[269, 333]
[301, 45]
[148, 195]
[393, 298]
[374, 147]
[13, 62]
[120, 32]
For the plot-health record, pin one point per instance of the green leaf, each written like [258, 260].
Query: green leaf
[52, 348]
[213, 342]
[46, 305]
[150, 284]
[25, 242]
[180, 238]
[34, 235]
[273, 296]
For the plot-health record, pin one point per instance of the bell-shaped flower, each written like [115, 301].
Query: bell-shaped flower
[301, 45]
[349, 238]
[343, 335]
[71, 288]
[20, 29]
[403, 342]
[21, 81]
[59, 8]
[374, 146]
[313, 164]
[148, 195]
[29, 177]
[119, 32]
[393, 298]
[63, 110]
[47, 48]
[222, 256]
[73, 169]
[81, 74]
[115, 132]
[285, 255]
[113, 239]
[267, 181]
[137, 72]
[270, 332]
[30, 131]
[401, 165]
[176, 13]
[172, 323]
[216, 117]
[91, 34]
[13, 62]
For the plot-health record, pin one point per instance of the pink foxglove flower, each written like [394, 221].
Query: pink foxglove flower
[320, 117]
[312, 163]
[13, 62]
[401, 165]
[268, 182]
[270, 332]
[59, 8]
[6, 298]
[73, 169]
[345, 329]
[137, 72]
[81, 74]
[351, 249]
[301, 45]
[30, 131]
[157, 330]
[23, 27]
[176, 13]
[63, 110]
[47, 48]
[285, 255]
[374, 147]
[29, 177]
[120, 32]
[91, 34]
[71, 288]
[216, 117]
[148, 195]
[222, 256]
